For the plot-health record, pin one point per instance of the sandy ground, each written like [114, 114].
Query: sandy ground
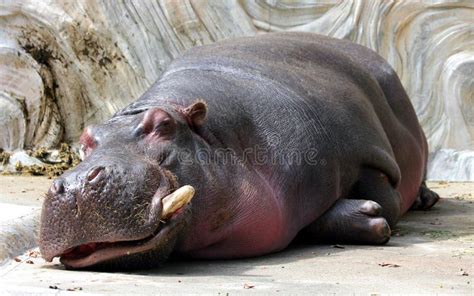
[430, 253]
[25, 191]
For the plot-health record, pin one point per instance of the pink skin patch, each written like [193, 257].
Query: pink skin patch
[87, 141]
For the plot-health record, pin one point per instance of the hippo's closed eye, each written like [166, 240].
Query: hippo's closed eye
[156, 123]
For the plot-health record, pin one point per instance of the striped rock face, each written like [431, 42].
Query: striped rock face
[67, 66]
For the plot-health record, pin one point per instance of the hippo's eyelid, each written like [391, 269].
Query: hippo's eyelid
[166, 126]
[164, 123]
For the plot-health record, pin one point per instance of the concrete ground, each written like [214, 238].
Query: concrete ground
[429, 253]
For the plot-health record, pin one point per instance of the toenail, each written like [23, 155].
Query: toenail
[371, 208]
[381, 227]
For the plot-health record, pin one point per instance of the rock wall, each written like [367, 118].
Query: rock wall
[67, 64]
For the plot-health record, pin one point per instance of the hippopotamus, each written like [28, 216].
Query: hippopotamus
[254, 141]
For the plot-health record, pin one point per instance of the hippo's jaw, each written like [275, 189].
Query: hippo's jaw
[90, 254]
[175, 207]
[170, 214]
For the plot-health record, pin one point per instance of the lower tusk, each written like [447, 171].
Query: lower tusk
[176, 200]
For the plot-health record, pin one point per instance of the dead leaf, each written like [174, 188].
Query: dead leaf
[74, 289]
[385, 264]
[338, 247]
[248, 286]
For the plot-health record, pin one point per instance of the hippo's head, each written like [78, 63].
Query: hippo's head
[121, 207]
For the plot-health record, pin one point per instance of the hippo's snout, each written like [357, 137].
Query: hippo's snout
[99, 213]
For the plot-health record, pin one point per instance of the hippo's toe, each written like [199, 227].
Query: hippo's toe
[378, 231]
[371, 208]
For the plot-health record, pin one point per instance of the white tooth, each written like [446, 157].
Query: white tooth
[176, 200]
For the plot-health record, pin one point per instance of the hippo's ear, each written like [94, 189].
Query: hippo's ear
[196, 113]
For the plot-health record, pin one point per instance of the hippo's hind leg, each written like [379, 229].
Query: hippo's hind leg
[351, 221]
[372, 207]
[426, 198]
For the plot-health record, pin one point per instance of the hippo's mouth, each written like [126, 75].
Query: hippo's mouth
[93, 253]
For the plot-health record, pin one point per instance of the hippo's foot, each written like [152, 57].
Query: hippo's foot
[352, 221]
[426, 199]
[375, 185]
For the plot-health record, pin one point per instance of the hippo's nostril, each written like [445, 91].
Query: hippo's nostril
[57, 187]
[94, 172]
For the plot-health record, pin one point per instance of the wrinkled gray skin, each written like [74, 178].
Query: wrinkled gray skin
[348, 154]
